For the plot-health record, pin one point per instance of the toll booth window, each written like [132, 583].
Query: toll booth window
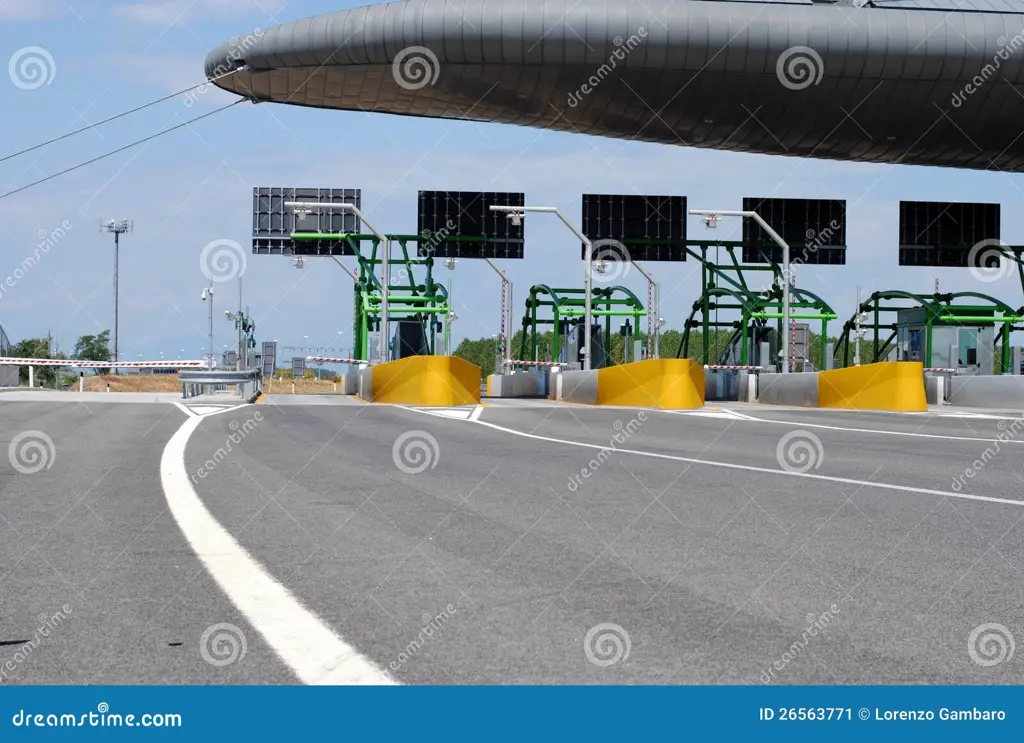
[968, 346]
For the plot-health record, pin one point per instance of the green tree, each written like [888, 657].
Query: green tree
[93, 347]
[36, 348]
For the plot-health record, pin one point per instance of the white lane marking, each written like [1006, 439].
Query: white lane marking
[459, 414]
[765, 470]
[299, 638]
[711, 413]
[477, 412]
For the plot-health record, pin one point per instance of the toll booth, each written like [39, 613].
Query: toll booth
[970, 349]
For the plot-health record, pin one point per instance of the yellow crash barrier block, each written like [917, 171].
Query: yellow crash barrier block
[887, 385]
[437, 381]
[672, 384]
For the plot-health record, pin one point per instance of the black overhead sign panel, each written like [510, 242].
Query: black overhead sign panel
[652, 228]
[814, 229]
[460, 224]
[273, 223]
[941, 233]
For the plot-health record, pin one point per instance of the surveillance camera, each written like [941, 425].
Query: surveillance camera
[516, 218]
[710, 221]
[204, 294]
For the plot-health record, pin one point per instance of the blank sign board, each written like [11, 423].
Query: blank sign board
[814, 229]
[941, 233]
[460, 224]
[649, 228]
[275, 225]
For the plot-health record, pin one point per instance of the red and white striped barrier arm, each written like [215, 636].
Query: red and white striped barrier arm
[10, 361]
[732, 367]
[536, 363]
[334, 360]
[940, 369]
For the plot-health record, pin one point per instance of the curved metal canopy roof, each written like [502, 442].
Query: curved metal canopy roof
[926, 82]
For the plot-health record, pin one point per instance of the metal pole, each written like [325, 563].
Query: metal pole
[384, 263]
[655, 309]
[211, 324]
[448, 322]
[507, 318]
[857, 332]
[784, 352]
[117, 246]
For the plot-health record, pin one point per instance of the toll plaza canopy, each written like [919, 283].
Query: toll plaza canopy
[926, 82]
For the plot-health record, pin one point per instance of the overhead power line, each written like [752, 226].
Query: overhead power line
[120, 149]
[113, 118]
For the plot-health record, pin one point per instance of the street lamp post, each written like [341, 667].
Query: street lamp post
[516, 214]
[506, 318]
[385, 269]
[208, 297]
[712, 220]
[449, 263]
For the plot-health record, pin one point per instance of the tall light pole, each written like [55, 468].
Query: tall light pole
[712, 221]
[449, 263]
[516, 214]
[307, 207]
[118, 227]
[207, 297]
[506, 318]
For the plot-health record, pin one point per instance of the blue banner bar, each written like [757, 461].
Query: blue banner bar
[515, 713]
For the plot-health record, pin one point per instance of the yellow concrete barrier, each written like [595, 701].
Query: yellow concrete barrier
[887, 385]
[439, 381]
[672, 384]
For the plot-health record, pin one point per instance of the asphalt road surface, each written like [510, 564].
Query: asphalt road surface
[512, 543]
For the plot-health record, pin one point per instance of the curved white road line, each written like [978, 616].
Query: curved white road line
[299, 638]
[763, 470]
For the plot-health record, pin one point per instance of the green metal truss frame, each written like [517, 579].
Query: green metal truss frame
[571, 303]
[940, 309]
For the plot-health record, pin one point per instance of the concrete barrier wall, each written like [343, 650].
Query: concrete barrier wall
[365, 389]
[350, 382]
[524, 384]
[935, 388]
[1003, 393]
[670, 384]
[724, 385]
[440, 381]
[887, 385]
[800, 390]
[578, 386]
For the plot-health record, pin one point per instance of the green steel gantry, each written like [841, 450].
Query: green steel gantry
[570, 303]
[940, 309]
[407, 300]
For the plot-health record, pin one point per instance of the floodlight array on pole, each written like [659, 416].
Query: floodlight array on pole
[711, 220]
[307, 206]
[516, 214]
[118, 227]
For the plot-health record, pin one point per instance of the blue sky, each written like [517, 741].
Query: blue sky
[194, 186]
